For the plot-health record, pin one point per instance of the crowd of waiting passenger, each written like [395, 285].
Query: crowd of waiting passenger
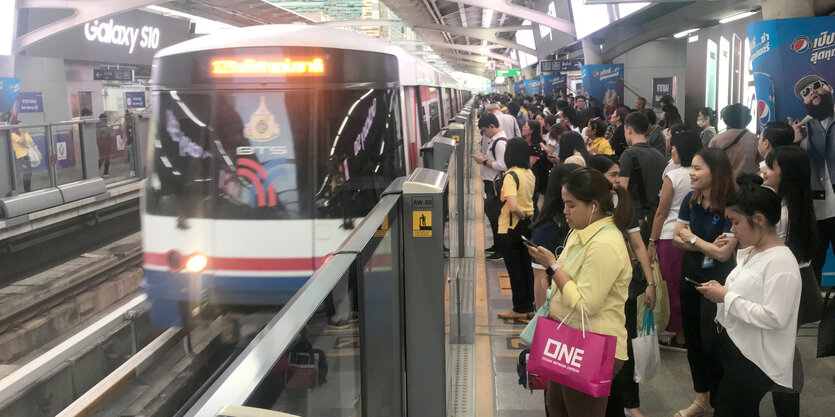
[737, 223]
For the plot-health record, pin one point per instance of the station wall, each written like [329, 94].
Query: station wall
[656, 59]
[47, 76]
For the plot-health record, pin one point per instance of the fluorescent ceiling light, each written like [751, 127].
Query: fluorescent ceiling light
[693, 39]
[685, 33]
[738, 16]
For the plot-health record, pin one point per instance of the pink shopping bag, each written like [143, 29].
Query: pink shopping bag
[580, 360]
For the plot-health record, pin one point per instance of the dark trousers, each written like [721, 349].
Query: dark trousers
[491, 217]
[743, 384]
[24, 167]
[826, 233]
[697, 316]
[562, 401]
[517, 260]
[624, 388]
[786, 404]
[106, 162]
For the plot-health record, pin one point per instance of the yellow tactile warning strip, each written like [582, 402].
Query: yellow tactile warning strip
[504, 283]
[484, 398]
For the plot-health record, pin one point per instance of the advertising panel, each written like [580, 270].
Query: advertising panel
[604, 83]
[518, 87]
[788, 58]
[134, 99]
[9, 90]
[31, 102]
[553, 84]
[710, 71]
[532, 86]
[660, 88]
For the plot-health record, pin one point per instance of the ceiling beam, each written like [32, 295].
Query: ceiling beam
[523, 12]
[483, 50]
[488, 34]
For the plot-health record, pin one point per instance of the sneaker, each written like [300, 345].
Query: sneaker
[492, 248]
[495, 256]
[341, 324]
[672, 345]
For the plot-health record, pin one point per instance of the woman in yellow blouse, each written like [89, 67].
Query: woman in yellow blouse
[592, 273]
[595, 131]
[21, 142]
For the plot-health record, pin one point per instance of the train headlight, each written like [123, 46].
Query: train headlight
[196, 263]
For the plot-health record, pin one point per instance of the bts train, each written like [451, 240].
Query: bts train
[266, 144]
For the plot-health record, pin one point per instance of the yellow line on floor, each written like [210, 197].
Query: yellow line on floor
[484, 393]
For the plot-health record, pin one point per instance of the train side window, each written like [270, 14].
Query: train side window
[265, 150]
[181, 182]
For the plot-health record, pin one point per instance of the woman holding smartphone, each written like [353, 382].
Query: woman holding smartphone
[756, 320]
[592, 275]
[701, 221]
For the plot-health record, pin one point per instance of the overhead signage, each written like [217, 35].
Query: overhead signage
[106, 74]
[31, 102]
[660, 88]
[253, 67]
[508, 72]
[560, 65]
[134, 99]
[112, 33]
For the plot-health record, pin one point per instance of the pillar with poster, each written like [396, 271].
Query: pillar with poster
[604, 84]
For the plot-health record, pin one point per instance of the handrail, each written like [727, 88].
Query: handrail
[90, 120]
[238, 382]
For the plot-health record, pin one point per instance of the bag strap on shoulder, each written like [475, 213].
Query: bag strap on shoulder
[493, 146]
[738, 137]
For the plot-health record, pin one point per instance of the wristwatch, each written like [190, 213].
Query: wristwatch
[693, 240]
[551, 270]
[652, 284]
[484, 162]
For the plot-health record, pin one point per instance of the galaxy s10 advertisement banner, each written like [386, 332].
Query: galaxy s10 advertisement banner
[792, 59]
[553, 84]
[604, 83]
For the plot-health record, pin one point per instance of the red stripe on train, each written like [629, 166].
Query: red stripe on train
[245, 264]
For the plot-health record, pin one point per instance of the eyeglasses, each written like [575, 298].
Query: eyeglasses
[814, 86]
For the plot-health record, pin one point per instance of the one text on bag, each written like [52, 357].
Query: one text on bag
[559, 351]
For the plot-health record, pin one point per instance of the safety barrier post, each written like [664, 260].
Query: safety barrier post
[423, 292]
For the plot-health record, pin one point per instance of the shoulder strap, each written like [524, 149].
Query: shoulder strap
[515, 178]
[493, 146]
[587, 242]
[738, 137]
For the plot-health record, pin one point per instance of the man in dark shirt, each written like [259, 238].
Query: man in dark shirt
[641, 166]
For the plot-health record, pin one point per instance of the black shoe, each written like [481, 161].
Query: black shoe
[492, 248]
[496, 256]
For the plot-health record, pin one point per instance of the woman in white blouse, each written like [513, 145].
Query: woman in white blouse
[757, 308]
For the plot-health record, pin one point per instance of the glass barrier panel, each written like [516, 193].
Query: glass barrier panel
[31, 159]
[381, 317]
[114, 158]
[67, 146]
[319, 375]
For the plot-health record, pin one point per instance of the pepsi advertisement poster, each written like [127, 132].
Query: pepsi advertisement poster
[532, 86]
[791, 60]
[9, 90]
[553, 84]
[604, 83]
[519, 87]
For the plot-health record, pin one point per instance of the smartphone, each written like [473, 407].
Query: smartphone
[729, 234]
[693, 282]
[528, 242]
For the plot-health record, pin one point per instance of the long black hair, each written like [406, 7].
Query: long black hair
[751, 198]
[572, 141]
[552, 208]
[536, 131]
[795, 189]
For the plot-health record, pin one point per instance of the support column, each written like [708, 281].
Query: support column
[787, 9]
[591, 52]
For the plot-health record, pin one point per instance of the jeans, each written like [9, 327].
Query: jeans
[24, 167]
[517, 260]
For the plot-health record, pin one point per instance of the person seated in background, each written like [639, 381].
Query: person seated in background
[738, 143]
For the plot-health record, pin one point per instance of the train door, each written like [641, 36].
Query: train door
[360, 151]
[265, 186]
[411, 126]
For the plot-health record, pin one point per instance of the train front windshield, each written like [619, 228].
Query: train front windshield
[261, 154]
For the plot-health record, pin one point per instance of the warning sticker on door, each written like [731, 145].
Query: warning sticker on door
[422, 223]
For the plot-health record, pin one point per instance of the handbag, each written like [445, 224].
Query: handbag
[527, 379]
[646, 351]
[35, 157]
[578, 359]
[661, 312]
[826, 329]
[811, 300]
